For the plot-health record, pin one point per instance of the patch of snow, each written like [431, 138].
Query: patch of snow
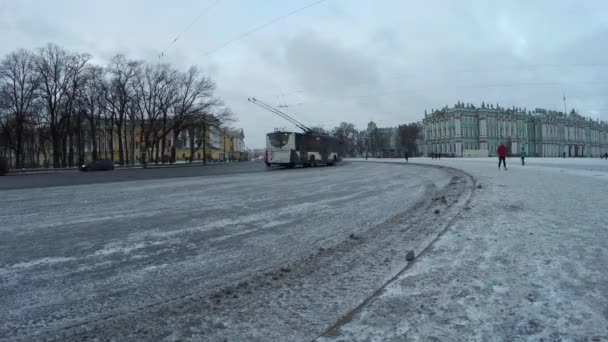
[40, 262]
[526, 262]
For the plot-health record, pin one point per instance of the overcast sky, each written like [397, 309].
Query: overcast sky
[346, 60]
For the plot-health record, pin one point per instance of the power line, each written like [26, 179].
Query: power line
[457, 71]
[412, 91]
[262, 26]
[189, 26]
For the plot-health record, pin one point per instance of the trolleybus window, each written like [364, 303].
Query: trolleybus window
[278, 139]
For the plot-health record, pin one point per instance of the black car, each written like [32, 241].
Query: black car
[98, 165]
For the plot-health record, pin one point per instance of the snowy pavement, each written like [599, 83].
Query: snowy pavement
[72, 257]
[314, 254]
[528, 260]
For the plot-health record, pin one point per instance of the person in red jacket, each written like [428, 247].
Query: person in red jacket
[501, 151]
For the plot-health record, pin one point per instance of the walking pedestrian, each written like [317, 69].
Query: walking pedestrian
[501, 151]
[406, 157]
[523, 156]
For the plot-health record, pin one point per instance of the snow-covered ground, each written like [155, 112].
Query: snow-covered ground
[314, 254]
[75, 255]
[528, 260]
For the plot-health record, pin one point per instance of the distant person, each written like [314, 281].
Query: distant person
[523, 156]
[406, 157]
[501, 151]
[439, 156]
[564, 155]
[606, 155]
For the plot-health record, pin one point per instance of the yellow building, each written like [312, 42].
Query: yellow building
[217, 144]
[213, 143]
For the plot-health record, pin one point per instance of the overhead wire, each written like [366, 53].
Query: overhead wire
[260, 27]
[279, 113]
[412, 91]
[189, 26]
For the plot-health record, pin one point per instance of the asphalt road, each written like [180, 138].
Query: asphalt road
[73, 254]
[74, 177]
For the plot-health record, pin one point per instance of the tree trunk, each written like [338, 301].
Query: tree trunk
[64, 150]
[105, 142]
[162, 144]
[19, 144]
[121, 154]
[204, 144]
[132, 142]
[143, 139]
[93, 139]
[70, 145]
[191, 137]
[71, 150]
[126, 132]
[38, 150]
[162, 148]
[173, 149]
[156, 151]
[80, 140]
[111, 143]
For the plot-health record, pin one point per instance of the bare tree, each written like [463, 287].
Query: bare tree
[167, 99]
[194, 98]
[345, 133]
[120, 94]
[18, 84]
[77, 63]
[93, 103]
[408, 134]
[147, 86]
[54, 74]
[199, 123]
[56, 104]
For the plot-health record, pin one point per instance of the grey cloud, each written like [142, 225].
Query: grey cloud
[387, 61]
[322, 66]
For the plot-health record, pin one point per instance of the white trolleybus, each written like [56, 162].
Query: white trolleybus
[290, 149]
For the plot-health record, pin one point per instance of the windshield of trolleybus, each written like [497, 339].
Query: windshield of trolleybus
[278, 139]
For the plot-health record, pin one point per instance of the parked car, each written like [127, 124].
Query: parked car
[98, 165]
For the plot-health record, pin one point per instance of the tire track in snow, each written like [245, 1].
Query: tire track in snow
[296, 300]
[333, 330]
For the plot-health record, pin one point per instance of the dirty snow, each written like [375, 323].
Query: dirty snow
[527, 261]
[71, 255]
[268, 257]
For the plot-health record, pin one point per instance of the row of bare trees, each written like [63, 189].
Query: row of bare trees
[56, 105]
[375, 141]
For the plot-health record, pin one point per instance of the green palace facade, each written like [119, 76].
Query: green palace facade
[465, 128]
